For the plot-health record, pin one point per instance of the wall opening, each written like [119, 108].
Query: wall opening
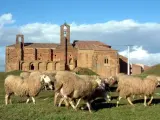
[49, 66]
[32, 67]
[106, 61]
[57, 66]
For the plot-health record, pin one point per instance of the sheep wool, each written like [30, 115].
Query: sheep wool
[129, 85]
[74, 87]
[29, 87]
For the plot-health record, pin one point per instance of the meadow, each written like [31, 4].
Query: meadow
[44, 109]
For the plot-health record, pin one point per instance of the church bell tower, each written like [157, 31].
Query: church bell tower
[65, 34]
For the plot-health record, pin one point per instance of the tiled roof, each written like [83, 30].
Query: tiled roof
[92, 45]
[38, 45]
[123, 58]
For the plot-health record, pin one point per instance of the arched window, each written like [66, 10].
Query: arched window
[105, 60]
[31, 66]
[65, 30]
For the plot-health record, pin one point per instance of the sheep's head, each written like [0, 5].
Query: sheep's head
[46, 80]
[111, 80]
[158, 79]
[154, 77]
[99, 81]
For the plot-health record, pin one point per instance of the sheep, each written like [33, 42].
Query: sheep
[25, 74]
[71, 86]
[129, 85]
[49, 74]
[81, 76]
[100, 92]
[29, 87]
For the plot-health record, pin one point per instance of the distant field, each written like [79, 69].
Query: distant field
[44, 109]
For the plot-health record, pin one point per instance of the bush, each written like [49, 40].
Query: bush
[85, 71]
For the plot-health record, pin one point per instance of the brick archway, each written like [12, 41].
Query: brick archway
[31, 66]
[41, 66]
[57, 66]
[49, 66]
[24, 66]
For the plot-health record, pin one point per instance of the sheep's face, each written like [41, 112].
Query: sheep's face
[111, 80]
[99, 81]
[158, 78]
[46, 80]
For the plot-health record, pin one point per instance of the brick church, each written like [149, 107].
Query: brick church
[94, 55]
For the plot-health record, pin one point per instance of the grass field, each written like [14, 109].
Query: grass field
[44, 109]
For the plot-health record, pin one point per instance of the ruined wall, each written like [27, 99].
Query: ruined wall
[44, 54]
[41, 59]
[84, 58]
[11, 59]
[29, 54]
[136, 69]
[106, 63]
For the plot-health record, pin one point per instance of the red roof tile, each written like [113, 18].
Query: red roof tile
[38, 45]
[92, 45]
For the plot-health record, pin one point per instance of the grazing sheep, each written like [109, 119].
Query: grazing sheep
[129, 85]
[29, 87]
[51, 75]
[71, 86]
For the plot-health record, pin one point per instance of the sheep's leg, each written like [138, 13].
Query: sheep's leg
[45, 87]
[119, 98]
[89, 107]
[130, 102]
[108, 98]
[60, 102]
[71, 102]
[145, 99]
[150, 101]
[6, 99]
[66, 103]
[27, 101]
[78, 102]
[133, 96]
[55, 98]
[34, 102]
[10, 101]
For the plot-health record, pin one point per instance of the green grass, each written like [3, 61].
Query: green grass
[85, 71]
[44, 109]
[153, 70]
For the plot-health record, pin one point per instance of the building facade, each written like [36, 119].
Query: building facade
[94, 55]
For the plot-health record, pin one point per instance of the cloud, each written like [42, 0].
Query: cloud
[6, 19]
[139, 55]
[2, 58]
[115, 33]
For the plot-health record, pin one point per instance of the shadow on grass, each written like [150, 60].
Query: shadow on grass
[113, 89]
[100, 104]
[154, 101]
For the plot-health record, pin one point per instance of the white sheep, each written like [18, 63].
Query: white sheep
[71, 86]
[49, 83]
[101, 91]
[129, 85]
[29, 87]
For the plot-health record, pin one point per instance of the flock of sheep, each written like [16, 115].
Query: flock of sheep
[72, 88]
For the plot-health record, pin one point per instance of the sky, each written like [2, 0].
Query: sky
[114, 22]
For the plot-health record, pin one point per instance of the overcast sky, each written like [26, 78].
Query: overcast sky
[130, 23]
